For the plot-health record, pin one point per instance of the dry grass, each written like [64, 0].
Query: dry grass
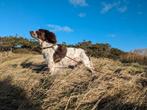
[114, 86]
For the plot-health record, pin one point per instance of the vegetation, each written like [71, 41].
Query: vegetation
[19, 44]
[133, 57]
[23, 45]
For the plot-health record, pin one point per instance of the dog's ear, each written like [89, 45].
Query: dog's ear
[50, 37]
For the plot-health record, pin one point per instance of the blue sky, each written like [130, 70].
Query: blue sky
[121, 23]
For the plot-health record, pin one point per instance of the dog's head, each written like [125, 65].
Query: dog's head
[44, 35]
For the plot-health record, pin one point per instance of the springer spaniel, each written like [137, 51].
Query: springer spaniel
[57, 56]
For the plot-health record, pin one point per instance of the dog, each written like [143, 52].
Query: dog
[58, 56]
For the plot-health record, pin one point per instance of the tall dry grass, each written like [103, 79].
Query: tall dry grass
[114, 86]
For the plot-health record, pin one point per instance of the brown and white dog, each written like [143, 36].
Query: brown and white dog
[70, 57]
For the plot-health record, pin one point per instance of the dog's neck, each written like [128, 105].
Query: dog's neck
[45, 44]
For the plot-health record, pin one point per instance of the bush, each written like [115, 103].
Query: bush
[133, 58]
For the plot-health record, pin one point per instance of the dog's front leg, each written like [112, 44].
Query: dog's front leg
[51, 68]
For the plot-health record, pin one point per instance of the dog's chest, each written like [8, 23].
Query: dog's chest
[47, 54]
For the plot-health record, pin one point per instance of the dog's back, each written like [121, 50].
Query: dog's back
[79, 55]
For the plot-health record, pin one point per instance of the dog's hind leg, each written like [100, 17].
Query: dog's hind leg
[86, 61]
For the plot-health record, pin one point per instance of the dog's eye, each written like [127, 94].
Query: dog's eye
[38, 33]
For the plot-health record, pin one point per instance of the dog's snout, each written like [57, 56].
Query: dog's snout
[31, 32]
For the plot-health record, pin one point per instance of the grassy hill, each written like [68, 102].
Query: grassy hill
[25, 85]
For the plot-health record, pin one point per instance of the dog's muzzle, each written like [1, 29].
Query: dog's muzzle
[32, 33]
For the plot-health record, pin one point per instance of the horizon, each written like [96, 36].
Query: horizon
[120, 23]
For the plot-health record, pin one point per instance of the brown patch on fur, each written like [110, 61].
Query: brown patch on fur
[41, 35]
[60, 53]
